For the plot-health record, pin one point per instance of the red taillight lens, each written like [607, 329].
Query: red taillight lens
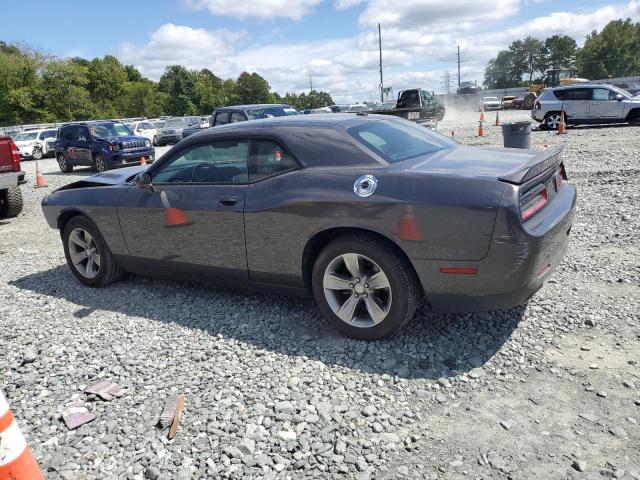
[15, 157]
[533, 202]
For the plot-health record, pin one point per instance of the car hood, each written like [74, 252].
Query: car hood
[513, 165]
[24, 143]
[125, 138]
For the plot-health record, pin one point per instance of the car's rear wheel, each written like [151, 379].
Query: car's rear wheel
[552, 120]
[364, 287]
[10, 202]
[88, 255]
[98, 163]
[64, 164]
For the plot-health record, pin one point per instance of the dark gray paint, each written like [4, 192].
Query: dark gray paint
[465, 214]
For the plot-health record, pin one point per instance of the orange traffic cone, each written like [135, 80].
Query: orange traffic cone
[497, 124]
[39, 178]
[407, 226]
[480, 129]
[562, 128]
[482, 119]
[16, 460]
[142, 161]
[175, 216]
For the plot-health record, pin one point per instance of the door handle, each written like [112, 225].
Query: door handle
[229, 200]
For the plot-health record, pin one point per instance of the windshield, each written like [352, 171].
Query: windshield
[25, 137]
[398, 140]
[176, 122]
[491, 99]
[267, 112]
[621, 91]
[467, 84]
[107, 130]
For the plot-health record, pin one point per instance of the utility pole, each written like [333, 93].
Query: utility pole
[458, 65]
[380, 48]
[447, 82]
[310, 84]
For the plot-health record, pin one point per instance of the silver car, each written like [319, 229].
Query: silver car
[585, 104]
[172, 130]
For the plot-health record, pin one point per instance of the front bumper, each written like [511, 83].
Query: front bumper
[127, 159]
[518, 263]
[537, 115]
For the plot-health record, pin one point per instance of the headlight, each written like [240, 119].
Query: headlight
[147, 143]
[117, 146]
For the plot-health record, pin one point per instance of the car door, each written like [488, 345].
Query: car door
[83, 145]
[576, 103]
[604, 105]
[70, 144]
[191, 219]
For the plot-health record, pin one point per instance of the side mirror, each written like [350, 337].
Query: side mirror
[142, 180]
[619, 97]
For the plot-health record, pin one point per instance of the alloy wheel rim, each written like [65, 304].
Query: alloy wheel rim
[553, 121]
[84, 253]
[357, 290]
[62, 162]
[37, 154]
[99, 164]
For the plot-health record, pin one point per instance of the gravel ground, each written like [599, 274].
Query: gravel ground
[547, 391]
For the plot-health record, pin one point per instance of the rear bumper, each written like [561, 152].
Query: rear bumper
[518, 263]
[11, 179]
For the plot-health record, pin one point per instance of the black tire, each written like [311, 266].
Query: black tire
[109, 271]
[527, 103]
[37, 153]
[634, 117]
[155, 141]
[10, 202]
[99, 163]
[405, 292]
[551, 120]
[63, 163]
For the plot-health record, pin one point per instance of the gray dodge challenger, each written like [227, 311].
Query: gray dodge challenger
[365, 213]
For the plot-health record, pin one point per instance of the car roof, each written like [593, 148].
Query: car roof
[256, 105]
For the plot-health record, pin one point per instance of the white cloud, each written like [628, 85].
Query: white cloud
[344, 4]
[348, 67]
[435, 14]
[294, 9]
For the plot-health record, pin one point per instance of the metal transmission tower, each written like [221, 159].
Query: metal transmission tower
[447, 82]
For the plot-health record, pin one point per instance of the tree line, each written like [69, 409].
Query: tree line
[37, 88]
[610, 53]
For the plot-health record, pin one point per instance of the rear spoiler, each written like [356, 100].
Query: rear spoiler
[545, 160]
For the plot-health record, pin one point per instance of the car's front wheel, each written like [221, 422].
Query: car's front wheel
[64, 164]
[88, 255]
[364, 287]
[37, 153]
[99, 164]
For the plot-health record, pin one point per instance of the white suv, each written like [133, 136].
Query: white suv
[583, 104]
[36, 143]
[145, 128]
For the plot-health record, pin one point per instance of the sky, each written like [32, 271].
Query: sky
[331, 43]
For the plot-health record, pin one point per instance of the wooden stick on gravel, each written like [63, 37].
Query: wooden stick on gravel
[176, 418]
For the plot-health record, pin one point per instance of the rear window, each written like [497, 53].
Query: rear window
[396, 141]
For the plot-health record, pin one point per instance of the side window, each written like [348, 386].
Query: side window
[69, 133]
[603, 94]
[559, 94]
[222, 118]
[578, 94]
[237, 117]
[409, 99]
[218, 162]
[426, 97]
[83, 134]
[268, 158]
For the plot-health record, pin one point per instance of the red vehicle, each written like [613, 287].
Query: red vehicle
[11, 177]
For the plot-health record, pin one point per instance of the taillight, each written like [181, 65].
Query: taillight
[15, 157]
[537, 106]
[559, 177]
[533, 202]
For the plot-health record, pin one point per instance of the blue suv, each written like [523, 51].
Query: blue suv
[102, 144]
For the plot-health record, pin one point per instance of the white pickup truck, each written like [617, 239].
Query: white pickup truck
[11, 177]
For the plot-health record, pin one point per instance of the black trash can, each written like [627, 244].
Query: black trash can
[517, 134]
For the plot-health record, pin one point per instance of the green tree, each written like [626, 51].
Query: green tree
[614, 52]
[133, 75]
[252, 88]
[560, 52]
[107, 77]
[19, 85]
[65, 93]
[534, 56]
[498, 71]
[208, 91]
[178, 83]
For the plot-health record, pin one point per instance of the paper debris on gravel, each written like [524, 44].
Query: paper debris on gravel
[76, 414]
[169, 411]
[106, 390]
